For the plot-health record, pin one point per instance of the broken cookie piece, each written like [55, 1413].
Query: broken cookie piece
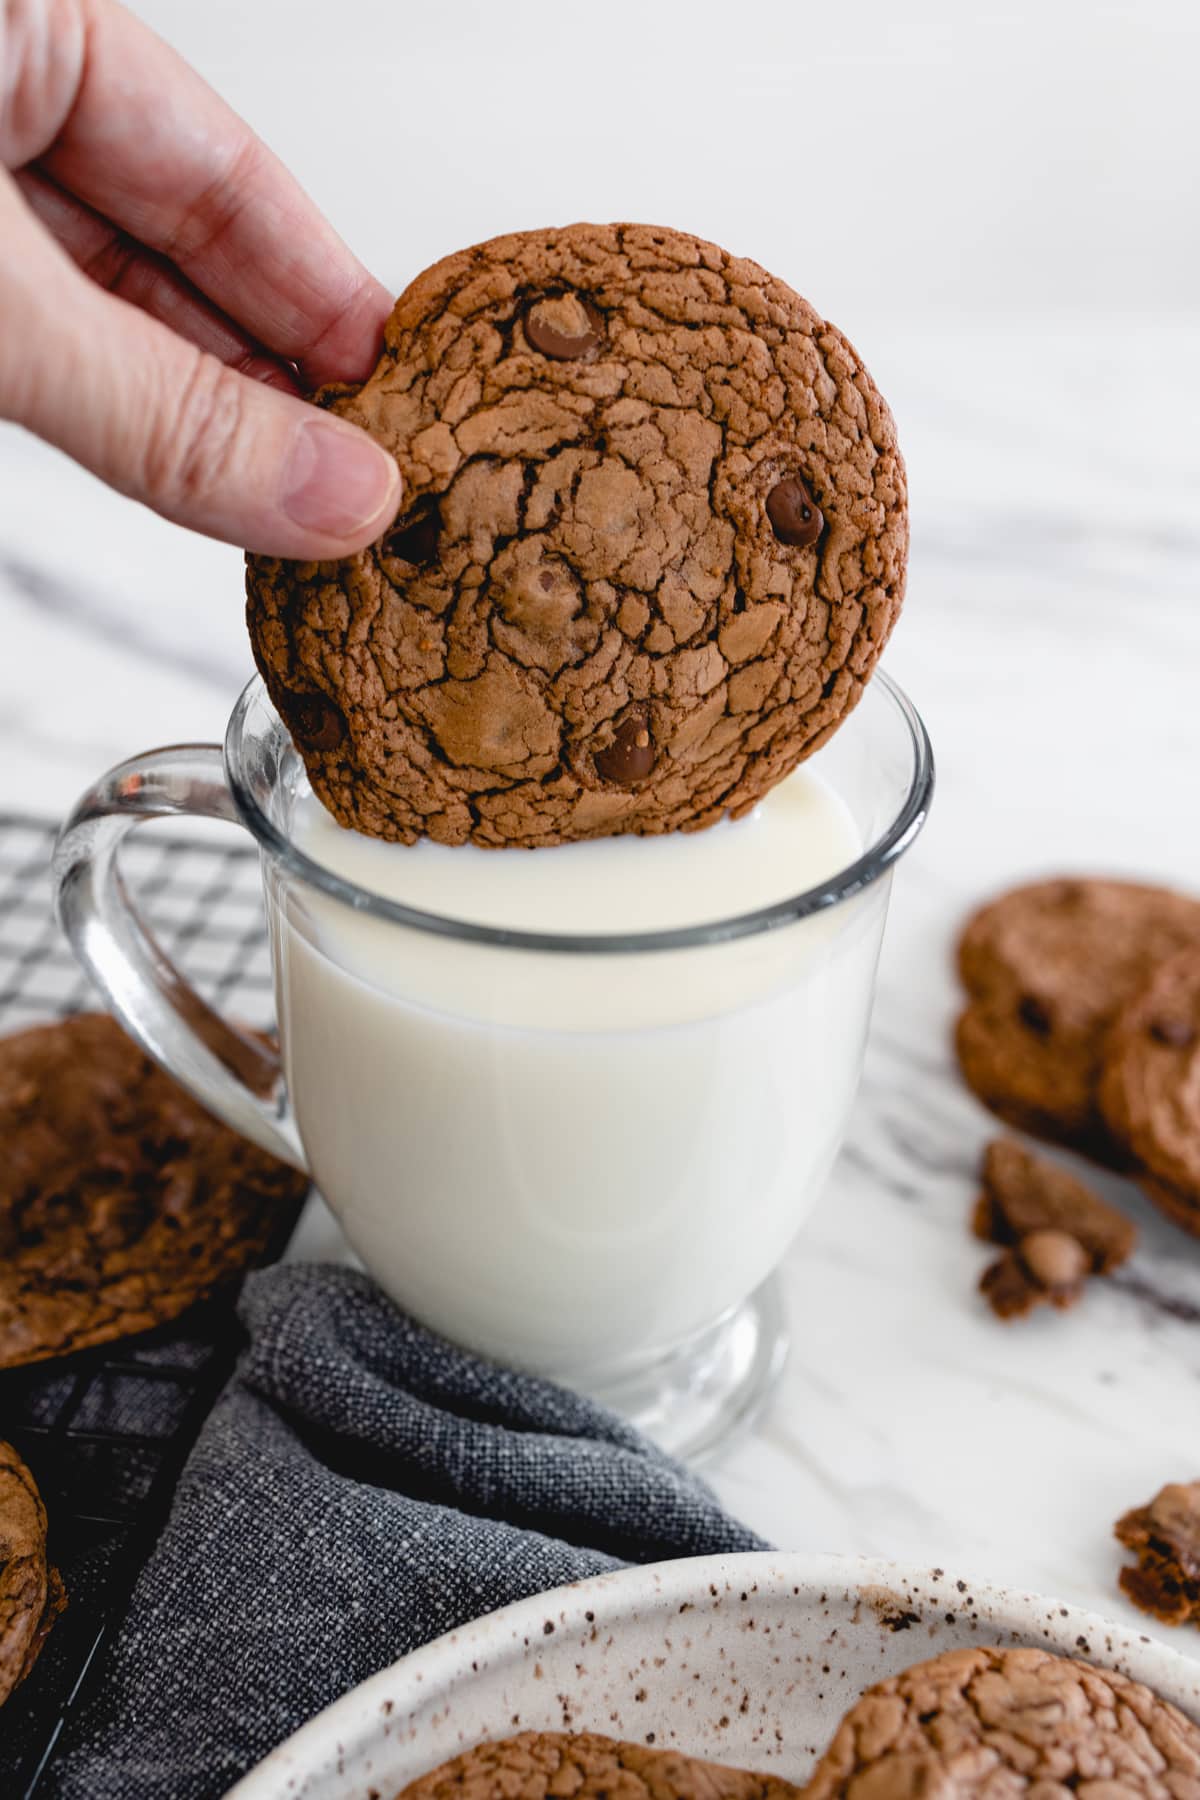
[1165, 1538]
[540, 1764]
[1055, 1230]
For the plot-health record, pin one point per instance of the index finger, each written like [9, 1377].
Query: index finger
[148, 143]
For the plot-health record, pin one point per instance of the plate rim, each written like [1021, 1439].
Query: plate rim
[340, 1726]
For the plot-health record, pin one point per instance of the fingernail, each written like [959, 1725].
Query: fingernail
[336, 480]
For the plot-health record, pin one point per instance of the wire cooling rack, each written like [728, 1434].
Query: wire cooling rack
[106, 1432]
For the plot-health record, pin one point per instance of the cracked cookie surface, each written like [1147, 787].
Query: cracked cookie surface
[997, 1724]
[121, 1200]
[653, 542]
[1046, 968]
[539, 1764]
[31, 1591]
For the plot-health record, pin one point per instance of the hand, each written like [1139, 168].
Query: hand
[217, 293]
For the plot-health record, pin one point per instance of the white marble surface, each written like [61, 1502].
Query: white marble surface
[1052, 639]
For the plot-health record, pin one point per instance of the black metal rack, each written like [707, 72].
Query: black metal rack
[106, 1432]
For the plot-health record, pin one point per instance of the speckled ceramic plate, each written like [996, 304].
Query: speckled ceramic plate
[750, 1660]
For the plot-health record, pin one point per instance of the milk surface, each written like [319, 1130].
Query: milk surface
[795, 839]
[570, 1161]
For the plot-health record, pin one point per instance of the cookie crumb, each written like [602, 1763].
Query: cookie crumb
[1165, 1538]
[1024, 1194]
[1055, 1232]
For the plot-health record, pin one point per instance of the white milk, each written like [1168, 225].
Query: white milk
[569, 1160]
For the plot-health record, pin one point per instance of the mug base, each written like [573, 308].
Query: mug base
[692, 1400]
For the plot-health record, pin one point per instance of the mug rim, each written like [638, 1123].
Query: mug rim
[875, 860]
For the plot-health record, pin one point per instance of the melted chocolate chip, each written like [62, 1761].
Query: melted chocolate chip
[1177, 1034]
[794, 514]
[563, 327]
[630, 756]
[414, 539]
[315, 721]
[1031, 1012]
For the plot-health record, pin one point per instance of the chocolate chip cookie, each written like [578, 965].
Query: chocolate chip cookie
[653, 542]
[31, 1591]
[540, 1764]
[121, 1200]
[1165, 1537]
[1046, 968]
[993, 1723]
[1150, 1086]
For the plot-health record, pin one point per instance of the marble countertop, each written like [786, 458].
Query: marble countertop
[1052, 640]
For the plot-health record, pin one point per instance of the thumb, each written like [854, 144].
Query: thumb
[170, 424]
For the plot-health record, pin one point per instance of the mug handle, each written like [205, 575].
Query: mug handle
[231, 1072]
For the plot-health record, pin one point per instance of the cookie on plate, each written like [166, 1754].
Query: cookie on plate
[1165, 1538]
[989, 1723]
[31, 1591]
[1046, 968]
[654, 540]
[1150, 1086]
[121, 1200]
[540, 1764]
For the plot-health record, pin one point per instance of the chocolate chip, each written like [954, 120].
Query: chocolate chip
[630, 756]
[315, 721]
[1177, 1034]
[563, 326]
[414, 539]
[1031, 1012]
[794, 514]
[1054, 1258]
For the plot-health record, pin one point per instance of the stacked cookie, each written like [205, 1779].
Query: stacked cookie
[121, 1202]
[1083, 1026]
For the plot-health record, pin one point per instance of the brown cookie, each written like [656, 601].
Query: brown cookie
[1165, 1537]
[994, 1723]
[1026, 1195]
[654, 540]
[1046, 968]
[121, 1200]
[31, 1592]
[1150, 1085]
[540, 1764]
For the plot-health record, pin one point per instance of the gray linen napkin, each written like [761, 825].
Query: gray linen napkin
[360, 1487]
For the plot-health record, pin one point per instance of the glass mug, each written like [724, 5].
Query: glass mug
[584, 1155]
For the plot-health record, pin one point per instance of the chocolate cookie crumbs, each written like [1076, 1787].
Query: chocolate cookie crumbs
[988, 1724]
[1055, 1230]
[541, 1765]
[1024, 1193]
[644, 480]
[1046, 1266]
[31, 1592]
[121, 1200]
[1165, 1538]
